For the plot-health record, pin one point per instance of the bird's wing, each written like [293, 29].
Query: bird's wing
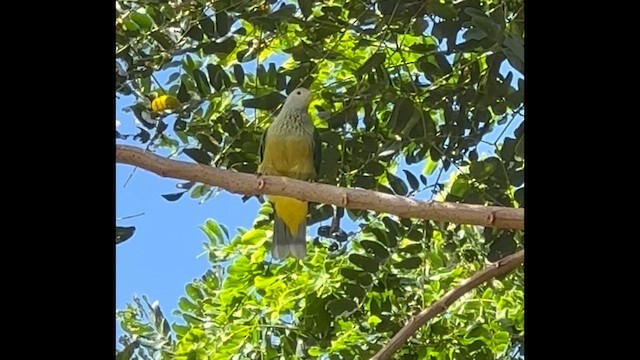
[317, 152]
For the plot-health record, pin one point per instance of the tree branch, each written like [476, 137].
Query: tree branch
[249, 184]
[500, 267]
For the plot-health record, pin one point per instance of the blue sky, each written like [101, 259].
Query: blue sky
[161, 258]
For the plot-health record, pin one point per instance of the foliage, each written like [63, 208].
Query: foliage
[335, 306]
[398, 86]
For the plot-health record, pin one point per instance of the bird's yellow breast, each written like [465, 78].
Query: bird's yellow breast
[288, 156]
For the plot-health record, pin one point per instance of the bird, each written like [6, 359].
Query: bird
[291, 147]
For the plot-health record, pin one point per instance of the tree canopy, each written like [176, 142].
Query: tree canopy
[422, 99]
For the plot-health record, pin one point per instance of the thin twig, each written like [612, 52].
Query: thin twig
[500, 267]
[129, 216]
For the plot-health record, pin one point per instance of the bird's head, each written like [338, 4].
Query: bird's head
[298, 99]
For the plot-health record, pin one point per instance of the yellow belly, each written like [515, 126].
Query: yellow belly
[291, 157]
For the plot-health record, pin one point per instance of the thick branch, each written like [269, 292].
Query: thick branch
[503, 266]
[247, 184]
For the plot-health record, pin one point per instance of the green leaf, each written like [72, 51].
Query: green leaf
[305, 7]
[173, 197]
[430, 166]
[215, 78]
[207, 143]
[519, 196]
[519, 148]
[474, 34]
[173, 77]
[398, 185]
[479, 331]
[142, 19]
[180, 330]
[403, 110]
[238, 72]
[346, 116]
[423, 48]
[471, 11]
[380, 235]
[516, 45]
[365, 279]
[264, 282]
[219, 78]
[199, 191]
[487, 25]
[165, 41]
[354, 291]
[374, 168]
[435, 260]
[501, 337]
[459, 187]
[413, 181]
[238, 119]
[223, 25]
[265, 102]
[481, 170]
[364, 182]
[201, 82]
[272, 75]
[373, 321]
[506, 151]
[419, 25]
[124, 233]
[223, 48]
[340, 307]
[374, 61]
[143, 136]
[198, 155]
[208, 27]
[411, 249]
[189, 64]
[516, 177]
[186, 305]
[423, 180]
[393, 231]
[183, 94]
[215, 228]
[195, 33]
[364, 262]
[128, 351]
[351, 274]
[501, 247]
[487, 294]
[445, 11]
[445, 29]
[130, 25]
[281, 82]
[193, 292]
[499, 109]
[443, 63]
[376, 248]
[261, 74]
[409, 263]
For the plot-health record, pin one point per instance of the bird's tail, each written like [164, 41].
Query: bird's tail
[289, 228]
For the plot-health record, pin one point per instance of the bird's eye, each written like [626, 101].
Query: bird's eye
[298, 92]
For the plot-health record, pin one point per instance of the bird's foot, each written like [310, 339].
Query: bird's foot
[260, 181]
